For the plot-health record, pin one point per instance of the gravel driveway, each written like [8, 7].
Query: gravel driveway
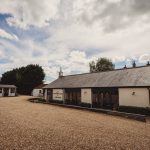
[26, 125]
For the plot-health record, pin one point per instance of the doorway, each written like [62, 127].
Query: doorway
[6, 91]
[105, 98]
[73, 96]
[49, 95]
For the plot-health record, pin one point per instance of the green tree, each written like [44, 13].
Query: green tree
[92, 66]
[102, 64]
[25, 78]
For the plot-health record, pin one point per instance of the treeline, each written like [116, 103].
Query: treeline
[25, 78]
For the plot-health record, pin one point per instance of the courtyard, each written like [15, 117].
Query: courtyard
[29, 126]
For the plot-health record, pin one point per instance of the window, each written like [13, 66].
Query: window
[12, 90]
[49, 92]
[0, 90]
[40, 91]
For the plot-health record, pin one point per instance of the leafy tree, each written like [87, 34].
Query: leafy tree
[92, 66]
[102, 64]
[25, 78]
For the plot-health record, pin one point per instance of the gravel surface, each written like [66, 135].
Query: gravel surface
[26, 125]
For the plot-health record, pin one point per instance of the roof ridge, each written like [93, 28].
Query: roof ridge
[129, 77]
[107, 71]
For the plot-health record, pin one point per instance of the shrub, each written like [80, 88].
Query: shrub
[68, 102]
[85, 105]
[37, 99]
[41, 100]
[137, 110]
[56, 101]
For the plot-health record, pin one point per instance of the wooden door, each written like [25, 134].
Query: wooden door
[105, 98]
[73, 96]
[6, 91]
[49, 94]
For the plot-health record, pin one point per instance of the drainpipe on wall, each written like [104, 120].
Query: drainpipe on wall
[91, 98]
[63, 96]
[149, 96]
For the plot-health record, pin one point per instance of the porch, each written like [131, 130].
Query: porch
[6, 91]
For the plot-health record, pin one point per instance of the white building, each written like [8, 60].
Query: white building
[38, 91]
[109, 89]
[7, 90]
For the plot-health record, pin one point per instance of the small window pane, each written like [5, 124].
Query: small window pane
[12, 90]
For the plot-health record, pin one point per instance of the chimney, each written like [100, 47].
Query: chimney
[133, 64]
[148, 63]
[60, 73]
[125, 67]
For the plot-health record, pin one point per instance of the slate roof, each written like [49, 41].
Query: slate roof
[131, 77]
[7, 86]
[40, 86]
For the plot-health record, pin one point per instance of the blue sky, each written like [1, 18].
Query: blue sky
[67, 33]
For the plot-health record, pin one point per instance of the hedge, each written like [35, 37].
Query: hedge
[37, 99]
[56, 101]
[85, 105]
[136, 110]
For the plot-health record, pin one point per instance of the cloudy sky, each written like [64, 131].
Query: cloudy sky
[70, 33]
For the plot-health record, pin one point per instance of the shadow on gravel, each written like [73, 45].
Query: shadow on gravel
[37, 100]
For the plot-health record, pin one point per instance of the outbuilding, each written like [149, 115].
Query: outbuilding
[110, 89]
[38, 90]
[7, 90]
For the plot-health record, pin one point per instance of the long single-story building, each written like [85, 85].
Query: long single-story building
[110, 89]
[7, 90]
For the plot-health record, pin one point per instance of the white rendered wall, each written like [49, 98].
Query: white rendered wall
[58, 94]
[45, 94]
[36, 92]
[86, 96]
[1, 94]
[138, 97]
[11, 94]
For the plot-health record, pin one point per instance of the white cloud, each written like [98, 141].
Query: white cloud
[77, 31]
[29, 12]
[144, 58]
[110, 14]
[7, 35]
